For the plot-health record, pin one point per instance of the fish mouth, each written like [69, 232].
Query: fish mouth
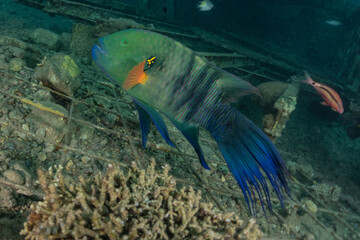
[99, 50]
[100, 56]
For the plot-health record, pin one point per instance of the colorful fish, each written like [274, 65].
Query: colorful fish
[163, 75]
[331, 98]
[205, 5]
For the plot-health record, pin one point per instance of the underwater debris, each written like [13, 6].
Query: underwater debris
[49, 119]
[329, 193]
[81, 40]
[138, 204]
[285, 104]
[270, 92]
[61, 73]
[114, 25]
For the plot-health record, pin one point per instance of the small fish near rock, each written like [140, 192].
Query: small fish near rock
[205, 5]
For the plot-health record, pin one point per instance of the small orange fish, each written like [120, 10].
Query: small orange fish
[331, 98]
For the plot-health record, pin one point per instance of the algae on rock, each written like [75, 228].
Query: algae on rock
[61, 73]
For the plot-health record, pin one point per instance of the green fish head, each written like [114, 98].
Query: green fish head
[117, 53]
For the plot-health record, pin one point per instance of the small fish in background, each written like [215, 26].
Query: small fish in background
[205, 5]
[334, 23]
[330, 96]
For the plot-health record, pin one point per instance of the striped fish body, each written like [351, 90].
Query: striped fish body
[191, 92]
[330, 96]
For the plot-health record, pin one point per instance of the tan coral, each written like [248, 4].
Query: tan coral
[138, 204]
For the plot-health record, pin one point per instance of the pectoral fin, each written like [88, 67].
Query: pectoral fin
[145, 114]
[136, 76]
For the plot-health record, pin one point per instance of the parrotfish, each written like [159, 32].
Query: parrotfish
[330, 96]
[163, 76]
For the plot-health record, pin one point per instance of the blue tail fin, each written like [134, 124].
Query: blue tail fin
[247, 150]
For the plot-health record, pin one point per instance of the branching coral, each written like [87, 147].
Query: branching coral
[141, 204]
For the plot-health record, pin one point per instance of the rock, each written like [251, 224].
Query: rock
[49, 147]
[81, 39]
[14, 176]
[48, 117]
[86, 133]
[4, 65]
[270, 92]
[16, 64]
[61, 73]
[65, 40]
[50, 120]
[25, 127]
[17, 52]
[43, 95]
[310, 206]
[85, 159]
[329, 193]
[9, 41]
[16, 115]
[42, 156]
[40, 135]
[26, 172]
[2, 156]
[6, 198]
[45, 37]
[15, 47]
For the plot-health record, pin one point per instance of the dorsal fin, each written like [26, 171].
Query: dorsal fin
[234, 87]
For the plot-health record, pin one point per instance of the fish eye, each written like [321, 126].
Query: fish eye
[123, 42]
